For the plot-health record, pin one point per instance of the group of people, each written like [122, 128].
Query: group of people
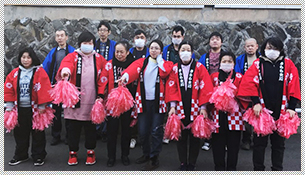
[163, 81]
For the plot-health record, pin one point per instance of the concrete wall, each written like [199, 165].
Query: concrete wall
[206, 14]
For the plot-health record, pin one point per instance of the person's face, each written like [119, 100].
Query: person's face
[104, 32]
[120, 53]
[177, 35]
[251, 47]
[154, 50]
[141, 36]
[227, 59]
[26, 60]
[61, 37]
[215, 42]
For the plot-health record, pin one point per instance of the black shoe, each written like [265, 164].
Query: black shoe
[125, 160]
[183, 167]
[110, 162]
[38, 162]
[16, 162]
[191, 167]
[55, 141]
[142, 159]
[151, 165]
[245, 146]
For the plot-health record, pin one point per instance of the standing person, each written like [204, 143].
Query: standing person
[82, 68]
[272, 82]
[170, 52]
[51, 64]
[109, 76]
[243, 62]
[227, 136]
[140, 50]
[211, 61]
[151, 73]
[26, 87]
[187, 89]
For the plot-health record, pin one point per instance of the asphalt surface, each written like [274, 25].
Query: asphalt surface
[57, 157]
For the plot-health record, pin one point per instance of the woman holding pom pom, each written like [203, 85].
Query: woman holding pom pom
[271, 82]
[109, 76]
[25, 90]
[230, 123]
[150, 74]
[82, 68]
[187, 90]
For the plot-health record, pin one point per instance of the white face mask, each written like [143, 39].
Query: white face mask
[226, 67]
[185, 56]
[176, 41]
[86, 48]
[272, 54]
[139, 42]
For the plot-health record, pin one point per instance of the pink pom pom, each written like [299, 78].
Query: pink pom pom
[203, 127]
[223, 97]
[98, 112]
[66, 93]
[173, 127]
[133, 122]
[262, 125]
[10, 119]
[119, 101]
[43, 120]
[286, 125]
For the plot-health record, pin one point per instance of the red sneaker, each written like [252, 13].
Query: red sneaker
[72, 158]
[90, 157]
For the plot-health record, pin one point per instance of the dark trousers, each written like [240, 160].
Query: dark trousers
[247, 133]
[150, 128]
[74, 132]
[277, 151]
[57, 124]
[194, 146]
[112, 134]
[22, 134]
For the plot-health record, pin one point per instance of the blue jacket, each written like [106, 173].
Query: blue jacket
[131, 50]
[166, 53]
[47, 63]
[109, 53]
[241, 65]
[202, 60]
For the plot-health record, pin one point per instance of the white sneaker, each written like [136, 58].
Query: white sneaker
[166, 141]
[206, 146]
[133, 143]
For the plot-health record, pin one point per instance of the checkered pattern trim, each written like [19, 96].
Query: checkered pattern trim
[180, 110]
[109, 112]
[195, 110]
[235, 121]
[283, 106]
[138, 99]
[162, 104]
[134, 113]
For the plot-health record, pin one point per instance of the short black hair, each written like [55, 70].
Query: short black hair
[159, 42]
[186, 42]
[86, 37]
[227, 53]
[275, 42]
[177, 29]
[32, 54]
[139, 32]
[124, 43]
[61, 29]
[105, 23]
[216, 34]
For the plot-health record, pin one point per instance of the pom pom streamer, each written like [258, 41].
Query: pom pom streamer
[119, 101]
[66, 93]
[286, 125]
[10, 119]
[98, 112]
[263, 125]
[43, 120]
[223, 97]
[173, 128]
[203, 127]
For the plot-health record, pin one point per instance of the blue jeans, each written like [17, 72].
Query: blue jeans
[150, 128]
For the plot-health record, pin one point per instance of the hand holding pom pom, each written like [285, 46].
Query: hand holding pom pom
[98, 112]
[11, 119]
[43, 118]
[203, 127]
[287, 125]
[173, 128]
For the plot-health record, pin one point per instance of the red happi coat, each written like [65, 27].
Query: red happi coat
[134, 74]
[291, 87]
[70, 61]
[201, 90]
[235, 121]
[40, 88]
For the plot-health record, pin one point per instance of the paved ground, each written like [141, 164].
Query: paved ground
[57, 157]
